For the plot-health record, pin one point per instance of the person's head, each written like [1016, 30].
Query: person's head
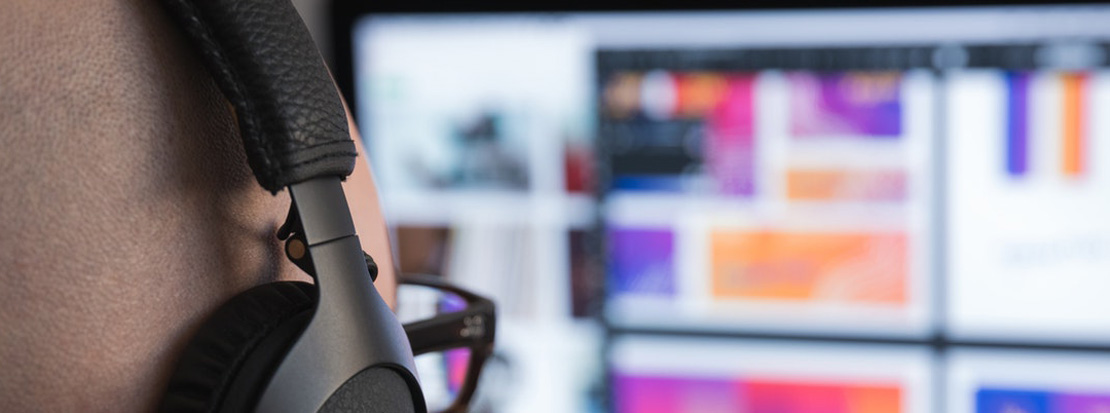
[127, 210]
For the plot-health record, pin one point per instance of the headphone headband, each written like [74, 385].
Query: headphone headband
[262, 57]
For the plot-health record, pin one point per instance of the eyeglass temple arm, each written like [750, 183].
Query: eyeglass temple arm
[473, 327]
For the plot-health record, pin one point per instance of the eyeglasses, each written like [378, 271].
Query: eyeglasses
[451, 341]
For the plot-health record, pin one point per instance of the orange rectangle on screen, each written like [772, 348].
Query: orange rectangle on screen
[800, 396]
[810, 266]
[698, 93]
[1075, 114]
[845, 185]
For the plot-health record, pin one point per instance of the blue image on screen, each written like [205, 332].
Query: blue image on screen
[1011, 401]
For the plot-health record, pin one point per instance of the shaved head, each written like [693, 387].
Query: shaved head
[127, 210]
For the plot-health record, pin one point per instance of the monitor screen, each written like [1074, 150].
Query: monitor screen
[645, 192]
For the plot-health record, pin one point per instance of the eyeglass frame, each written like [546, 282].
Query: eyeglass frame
[473, 328]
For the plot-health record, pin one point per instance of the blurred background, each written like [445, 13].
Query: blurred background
[844, 210]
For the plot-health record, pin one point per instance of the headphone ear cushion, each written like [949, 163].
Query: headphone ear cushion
[230, 360]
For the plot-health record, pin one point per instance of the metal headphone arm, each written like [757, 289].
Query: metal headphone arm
[337, 344]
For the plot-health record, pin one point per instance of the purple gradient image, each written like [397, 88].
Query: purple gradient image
[675, 394]
[730, 147]
[1017, 123]
[1081, 403]
[852, 103]
[641, 261]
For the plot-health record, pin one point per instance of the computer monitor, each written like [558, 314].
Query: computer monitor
[909, 181]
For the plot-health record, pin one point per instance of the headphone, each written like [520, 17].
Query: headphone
[291, 346]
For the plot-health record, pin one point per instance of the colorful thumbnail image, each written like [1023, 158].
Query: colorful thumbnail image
[820, 184]
[655, 394]
[854, 267]
[1072, 100]
[641, 261]
[863, 104]
[1003, 400]
[665, 126]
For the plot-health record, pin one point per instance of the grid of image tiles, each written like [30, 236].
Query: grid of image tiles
[841, 202]
[724, 179]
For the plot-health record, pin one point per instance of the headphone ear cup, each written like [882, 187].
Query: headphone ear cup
[228, 363]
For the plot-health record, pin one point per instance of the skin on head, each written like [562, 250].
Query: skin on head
[127, 210]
